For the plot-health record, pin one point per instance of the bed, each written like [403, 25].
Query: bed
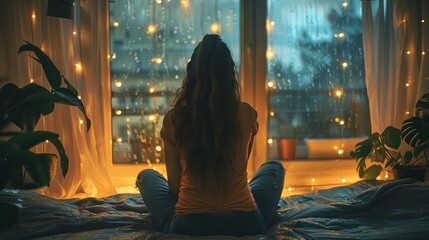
[364, 210]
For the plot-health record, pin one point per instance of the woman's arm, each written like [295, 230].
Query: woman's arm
[172, 162]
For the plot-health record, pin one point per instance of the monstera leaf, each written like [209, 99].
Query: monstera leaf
[415, 131]
[380, 149]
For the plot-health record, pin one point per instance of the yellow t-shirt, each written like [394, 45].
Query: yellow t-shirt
[235, 195]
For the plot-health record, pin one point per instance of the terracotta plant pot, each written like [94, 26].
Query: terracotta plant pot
[286, 147]
[410, 171]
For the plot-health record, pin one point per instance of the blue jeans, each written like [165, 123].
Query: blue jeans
[266, 186]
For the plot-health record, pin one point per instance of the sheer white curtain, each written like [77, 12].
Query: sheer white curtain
[87, 151]
[396, 68]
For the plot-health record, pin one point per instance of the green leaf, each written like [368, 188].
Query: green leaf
[44, 107]
[420, 148]
[69, 95]
[7, 97]
[407, 157]
[27, 140]
[63, 157]
[391, 137]
[415, 131]
[372, 172]
[70, 86]
[8, 147]
[41, 167]
[27, 114]
[52, 73]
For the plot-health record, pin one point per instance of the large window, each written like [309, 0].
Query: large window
[316, 78]
[151, 42]
[315, 72]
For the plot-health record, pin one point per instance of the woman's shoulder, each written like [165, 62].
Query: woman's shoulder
[248, 110]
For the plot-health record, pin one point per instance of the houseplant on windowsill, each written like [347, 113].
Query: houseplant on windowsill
[285, 136]
[389, 149]
[23, 108]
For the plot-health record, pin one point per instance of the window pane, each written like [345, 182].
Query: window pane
[316, 78]
[150, 45]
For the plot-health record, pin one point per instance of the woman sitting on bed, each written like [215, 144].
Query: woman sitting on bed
[208, 137]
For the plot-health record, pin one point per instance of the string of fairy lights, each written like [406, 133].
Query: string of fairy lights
[77, 78]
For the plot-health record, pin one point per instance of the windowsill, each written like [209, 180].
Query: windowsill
[327, 173]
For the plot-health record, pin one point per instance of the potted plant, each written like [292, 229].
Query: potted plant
[287, 145]
[415, 132]
[386, 150]
[23, 108]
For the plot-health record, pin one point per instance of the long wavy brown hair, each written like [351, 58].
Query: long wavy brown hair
[206, 124]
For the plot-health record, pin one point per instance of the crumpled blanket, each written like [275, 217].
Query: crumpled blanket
[364, 210]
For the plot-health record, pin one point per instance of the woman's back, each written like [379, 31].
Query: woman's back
[234, 194]
[208, 137]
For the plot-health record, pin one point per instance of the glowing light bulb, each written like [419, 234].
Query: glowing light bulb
[339, 93]
[158, 148]
[270, 84]
[408, 52]
[386, 175]
[47, 141]
[313, 180]
[407, 84]
[79, 97]
[157, 60]
[272, 114]
[215, 28]
[337, 119]
[127, 119]
[31, 80]
[270, 53]
[343, 180]
[80, 121]
[118, 83]
[184, 4]
[340, 151]
[423, 20]
[336, 148]
[152, 90]
[159, 1]
[33, 16]
[74, 32]
[151, 29]
[114, 56]
[423, 53]
[118, 112]
[342, 122]
[119, 139]
[344, 64]
[407, 112]
[152, 118]
[341, 35]
[345, 4]
[115, 23]
[290, 189]
[78, 66]
[336, 35]
[270, 25]
[270, 141]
